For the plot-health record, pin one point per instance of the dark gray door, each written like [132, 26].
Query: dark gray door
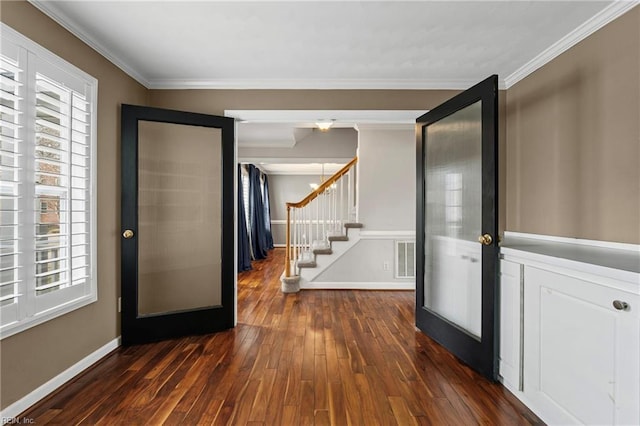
[177, 224]
[457, 225]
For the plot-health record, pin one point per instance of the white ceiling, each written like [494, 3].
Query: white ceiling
[329, 44]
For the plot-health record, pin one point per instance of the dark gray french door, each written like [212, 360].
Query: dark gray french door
[457, 225]
[177, 224]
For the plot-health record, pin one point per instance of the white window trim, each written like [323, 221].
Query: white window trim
[74, 299]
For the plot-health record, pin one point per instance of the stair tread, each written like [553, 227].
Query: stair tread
[353, 225]
[323, 251]
[338, 238]
[307, 264]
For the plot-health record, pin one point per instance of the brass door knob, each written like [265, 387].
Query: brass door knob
[127, 234]
[485, 239]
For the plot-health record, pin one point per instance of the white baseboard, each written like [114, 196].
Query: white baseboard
[513, 390]
[357, 285]
[43, 391]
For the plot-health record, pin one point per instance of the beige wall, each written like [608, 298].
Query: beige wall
[217, 101]
[31, 358]
[573, 140]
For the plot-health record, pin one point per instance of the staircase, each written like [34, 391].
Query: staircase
[323, 257]
[320, 228]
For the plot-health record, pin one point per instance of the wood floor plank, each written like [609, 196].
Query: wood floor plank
[290, 415]
[264, 392]
[322, 418]
[274, 410]
[177, 393]
[353, 402]
[401, 411]
[307, 411]
[324, 357]
[244, 403]
[380, 395]
[320, 382]
[337, 409]
[371, 413]
[208, 417]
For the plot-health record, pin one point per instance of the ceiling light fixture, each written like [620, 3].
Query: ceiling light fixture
[315, 186]
[324, 125]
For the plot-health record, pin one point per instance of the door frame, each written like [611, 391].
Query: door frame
[481, 355]
[135, 329]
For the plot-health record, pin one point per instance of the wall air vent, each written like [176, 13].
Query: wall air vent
[405, 259]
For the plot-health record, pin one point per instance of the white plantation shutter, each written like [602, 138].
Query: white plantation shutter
[11, 110]
[48, 232]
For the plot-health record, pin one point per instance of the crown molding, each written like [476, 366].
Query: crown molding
[314, 84]
[49, 9]
[602, 18]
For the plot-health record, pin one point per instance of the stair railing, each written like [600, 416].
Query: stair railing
[319, 215]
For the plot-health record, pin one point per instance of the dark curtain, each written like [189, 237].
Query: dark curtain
[259, 242]
[267, 212]
[244, 252]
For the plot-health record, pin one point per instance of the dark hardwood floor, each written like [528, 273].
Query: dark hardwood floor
[317, 357]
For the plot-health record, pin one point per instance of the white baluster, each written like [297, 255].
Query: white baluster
[298, 235]
[349, 194]
[303, 236]
[299, 217]
[334, 191]
[309, 226]
[341, 204]
[324, 225]
[306, 227]
[294, 256]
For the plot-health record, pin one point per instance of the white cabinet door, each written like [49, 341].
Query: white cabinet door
[581, 355]
[510, 321]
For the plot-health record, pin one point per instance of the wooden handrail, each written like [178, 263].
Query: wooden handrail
[305, 201]
[324, 185]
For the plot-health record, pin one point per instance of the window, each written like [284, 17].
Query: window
[245, 196]
[47, 175]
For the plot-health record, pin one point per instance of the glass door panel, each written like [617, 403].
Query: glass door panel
[179, 217]
[453, 179]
